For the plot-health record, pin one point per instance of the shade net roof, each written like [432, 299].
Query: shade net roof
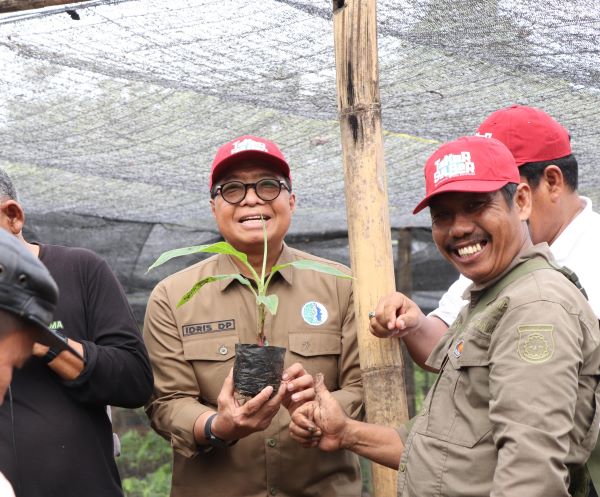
[111, 114]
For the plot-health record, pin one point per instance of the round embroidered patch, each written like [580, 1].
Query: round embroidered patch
[314, 313]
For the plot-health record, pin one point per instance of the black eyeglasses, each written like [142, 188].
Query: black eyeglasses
[233, 192]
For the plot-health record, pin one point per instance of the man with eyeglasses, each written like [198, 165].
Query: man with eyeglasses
[245, 450]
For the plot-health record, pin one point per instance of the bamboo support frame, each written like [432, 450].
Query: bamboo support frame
[18, 5]
[355, 33]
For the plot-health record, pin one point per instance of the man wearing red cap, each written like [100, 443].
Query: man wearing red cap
[222, 447]
[512, 412]
[559, 216]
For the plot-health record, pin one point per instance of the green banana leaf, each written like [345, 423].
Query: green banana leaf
[209, 279]
[314, 266]
[270, 302]
[213, 248]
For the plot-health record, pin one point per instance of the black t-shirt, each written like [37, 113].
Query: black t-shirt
[58, 439]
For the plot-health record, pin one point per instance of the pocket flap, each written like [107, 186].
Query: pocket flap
[219, 347]
[312, 343]
[470, 350]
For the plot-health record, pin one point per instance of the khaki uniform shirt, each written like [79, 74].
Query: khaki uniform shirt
[515, 401]
[192, 349]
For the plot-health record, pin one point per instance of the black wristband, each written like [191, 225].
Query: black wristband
[212, 439]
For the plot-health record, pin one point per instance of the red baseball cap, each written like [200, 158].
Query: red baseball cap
[469, 164]
[245, 148]
[529, 133]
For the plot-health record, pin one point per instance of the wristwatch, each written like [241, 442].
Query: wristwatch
[51, 354]
[212, 439]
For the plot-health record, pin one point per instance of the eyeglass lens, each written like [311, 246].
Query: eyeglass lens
[266, 189]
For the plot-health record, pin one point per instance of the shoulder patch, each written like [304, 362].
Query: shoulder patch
[536, 342]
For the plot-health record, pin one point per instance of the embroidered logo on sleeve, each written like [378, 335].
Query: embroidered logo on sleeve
[536, 342]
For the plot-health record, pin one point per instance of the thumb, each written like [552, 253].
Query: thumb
[320, 388]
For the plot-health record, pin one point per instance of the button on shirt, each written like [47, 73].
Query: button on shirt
[192, 349]
[516, 400]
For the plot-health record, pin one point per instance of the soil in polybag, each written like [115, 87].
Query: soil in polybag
[256, 367]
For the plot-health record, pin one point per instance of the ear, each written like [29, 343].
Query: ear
[523, 201]
[553, 179]
[212, 207]
[12, 216]
[292, 202]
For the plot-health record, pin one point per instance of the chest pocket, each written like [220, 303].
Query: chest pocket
[211, 357]
[318, 351]
[459, 404]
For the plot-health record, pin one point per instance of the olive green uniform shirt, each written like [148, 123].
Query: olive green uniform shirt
[192, 349]
[515, 403]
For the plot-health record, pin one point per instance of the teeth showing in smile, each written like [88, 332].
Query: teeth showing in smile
[469, 250]
[252, 218]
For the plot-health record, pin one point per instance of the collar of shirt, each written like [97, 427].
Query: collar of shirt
[563, 245]
[226, 265]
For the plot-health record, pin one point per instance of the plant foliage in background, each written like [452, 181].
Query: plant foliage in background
[145, 464]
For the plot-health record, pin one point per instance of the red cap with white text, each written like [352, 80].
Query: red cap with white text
[244, 149]
[469, 164]
[529, 133]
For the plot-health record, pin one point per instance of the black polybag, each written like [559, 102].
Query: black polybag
[256, 367]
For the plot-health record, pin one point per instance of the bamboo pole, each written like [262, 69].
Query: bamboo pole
[16, 5]
[404, 280]
[355, 33]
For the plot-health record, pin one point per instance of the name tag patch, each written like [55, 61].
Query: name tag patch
[211, 327]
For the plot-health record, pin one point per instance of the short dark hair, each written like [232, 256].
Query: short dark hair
[534, 171]
[7, 189]
[508, 192]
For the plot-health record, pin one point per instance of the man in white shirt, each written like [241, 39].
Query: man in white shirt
[560, 217]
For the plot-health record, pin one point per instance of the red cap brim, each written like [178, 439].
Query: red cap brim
[465, 186]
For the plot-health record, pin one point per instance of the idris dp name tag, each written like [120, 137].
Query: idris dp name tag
[211, 327]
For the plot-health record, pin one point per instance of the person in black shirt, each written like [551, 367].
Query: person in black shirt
[58, 441]
[28, 297]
